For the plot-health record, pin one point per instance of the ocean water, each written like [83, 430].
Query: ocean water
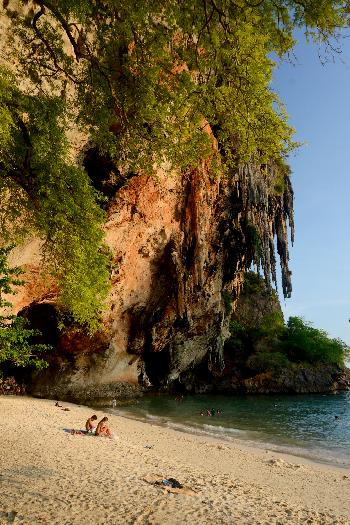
[315, 426]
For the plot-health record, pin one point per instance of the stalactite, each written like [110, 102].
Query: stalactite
[270, 213]
[225, 226]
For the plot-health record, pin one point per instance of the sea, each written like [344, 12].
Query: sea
[313, 426]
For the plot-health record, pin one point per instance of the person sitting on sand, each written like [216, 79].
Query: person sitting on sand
[89, 426]
[103, 428]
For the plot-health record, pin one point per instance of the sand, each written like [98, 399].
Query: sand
[48, 476]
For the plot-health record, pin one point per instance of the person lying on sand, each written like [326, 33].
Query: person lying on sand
[103, 428]
[89, 426]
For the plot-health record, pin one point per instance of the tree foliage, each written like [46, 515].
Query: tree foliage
[16, 345]
[268, 361]
[261, 340]
[147, 74]
[302, 342]
[146, 82]
[45, 194]
[274, 345]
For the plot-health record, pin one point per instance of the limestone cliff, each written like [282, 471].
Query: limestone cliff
[177, 241]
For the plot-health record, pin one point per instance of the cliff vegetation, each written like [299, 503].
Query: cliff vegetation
[17, 347]
[269, 343]
[265, 352]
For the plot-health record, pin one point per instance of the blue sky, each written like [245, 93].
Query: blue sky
[317, 98]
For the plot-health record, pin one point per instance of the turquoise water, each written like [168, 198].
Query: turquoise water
[303, 425]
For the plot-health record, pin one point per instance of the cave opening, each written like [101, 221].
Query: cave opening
[44, 318]
[157, 367]
[103, 172]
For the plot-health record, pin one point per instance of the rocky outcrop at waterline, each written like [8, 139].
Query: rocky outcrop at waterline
[299, 379]
[167, 326]
[179, 242]
[260, 355]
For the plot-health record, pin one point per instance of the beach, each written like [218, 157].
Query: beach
[50, 476]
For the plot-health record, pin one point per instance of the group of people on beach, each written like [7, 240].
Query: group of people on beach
[102, 428]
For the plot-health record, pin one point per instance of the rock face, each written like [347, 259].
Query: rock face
[180, 244]
[178, 241]
[300, 380]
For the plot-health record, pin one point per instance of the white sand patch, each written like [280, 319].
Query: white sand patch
[48, 476]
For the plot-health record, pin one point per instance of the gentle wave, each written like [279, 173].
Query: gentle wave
[208, 430]
[248, 438]
[224, 430]
[313, 427]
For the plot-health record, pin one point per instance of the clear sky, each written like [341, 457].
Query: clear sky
[317, 98]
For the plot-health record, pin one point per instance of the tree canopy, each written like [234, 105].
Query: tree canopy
[145, 82]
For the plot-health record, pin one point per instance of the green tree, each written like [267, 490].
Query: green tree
[268, 361]
[15, 338]
[42, 193]
[146, 74]
[304, 343]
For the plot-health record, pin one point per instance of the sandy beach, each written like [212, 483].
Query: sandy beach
[49, 476]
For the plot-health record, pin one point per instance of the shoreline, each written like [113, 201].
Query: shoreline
[249, 444]
[330, 456]
[50, 476]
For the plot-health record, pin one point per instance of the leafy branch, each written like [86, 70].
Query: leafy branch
[16, 345]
